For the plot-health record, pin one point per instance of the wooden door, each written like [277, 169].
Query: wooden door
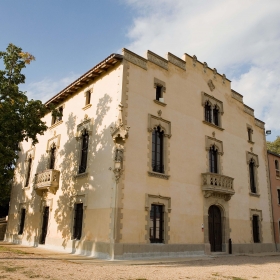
[215, 228]
[44, 225]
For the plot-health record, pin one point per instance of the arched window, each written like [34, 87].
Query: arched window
[84, 152]
[208, 113]
[252, 176]
[52, 157]
[213, 159]
[216, 115]
[157, 150]
[28, 171]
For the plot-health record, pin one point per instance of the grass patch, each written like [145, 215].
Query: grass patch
[10, 268]
[4, 249]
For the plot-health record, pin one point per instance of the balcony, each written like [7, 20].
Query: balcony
[47, 180]
[217, 185]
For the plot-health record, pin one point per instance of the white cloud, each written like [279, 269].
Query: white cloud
[239, 38]
[47, 88]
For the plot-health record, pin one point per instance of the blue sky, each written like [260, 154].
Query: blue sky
[68, 37]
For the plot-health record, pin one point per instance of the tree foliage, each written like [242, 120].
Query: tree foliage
[20, 118]
[274, 146]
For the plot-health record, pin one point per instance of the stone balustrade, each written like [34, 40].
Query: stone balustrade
[47, 180]
[217, 185]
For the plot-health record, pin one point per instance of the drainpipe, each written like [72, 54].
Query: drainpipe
[271, 204]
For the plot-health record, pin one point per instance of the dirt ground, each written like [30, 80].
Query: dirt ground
[21, 263]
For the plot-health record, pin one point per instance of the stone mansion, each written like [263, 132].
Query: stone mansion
[149, 157]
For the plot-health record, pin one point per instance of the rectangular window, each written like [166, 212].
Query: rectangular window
[278, 192]
[88, 97]
[252, 177]
[58, 118]
[249, 134]
[157, 223]
[78, 221]
[158, 92]
[22, 220]
[256, 230]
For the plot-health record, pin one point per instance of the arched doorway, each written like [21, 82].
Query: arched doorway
[215, 228]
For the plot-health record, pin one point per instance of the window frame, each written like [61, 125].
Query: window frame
[52, 156]
[256, 228]
[165, 125]
[277, 170]
[212, 110]
[77, 230]
[278, 196]
[157, 150]
[252, 161]
[258, 213]
[160, 89]
[155, 224]
[22, 221]
[213, 160]
[84, 152]
[217, 145]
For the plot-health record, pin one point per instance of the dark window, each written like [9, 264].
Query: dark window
[58, 118]
[250, 132]
[216, 115]
[45, 222]
[277, 168]
[22, 220]
[52, 157]
[78, 221]
[158, 92]
[83, 163]
[28, 171]
[256, 230]
[156, 223]
[157, 150]
[213, 160]
[88, 96]
[208, 113]
[252, 176]
[278, 192]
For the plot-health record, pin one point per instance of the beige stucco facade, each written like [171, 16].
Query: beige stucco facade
[119, 185]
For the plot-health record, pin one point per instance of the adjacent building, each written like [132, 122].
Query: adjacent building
[147, 156]
[274, 170]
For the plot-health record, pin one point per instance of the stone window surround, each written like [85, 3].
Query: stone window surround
[45, 202]
[159, 200]
[209, 142]
[249, 156]
[59, 122]
[87, 105]
[22, 205]
[85, 125]
[224, 208]
[213, 102]
[29, 154]
[251, 129]
[158, 82]
[257, 213]
[53, 142]
[76, 199]
[153, 122]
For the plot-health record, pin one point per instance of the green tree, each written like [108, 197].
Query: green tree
[20, 118]
[274, 146]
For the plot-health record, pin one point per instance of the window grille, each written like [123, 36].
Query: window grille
[157, 150]
[157, 223]
[213, 160]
